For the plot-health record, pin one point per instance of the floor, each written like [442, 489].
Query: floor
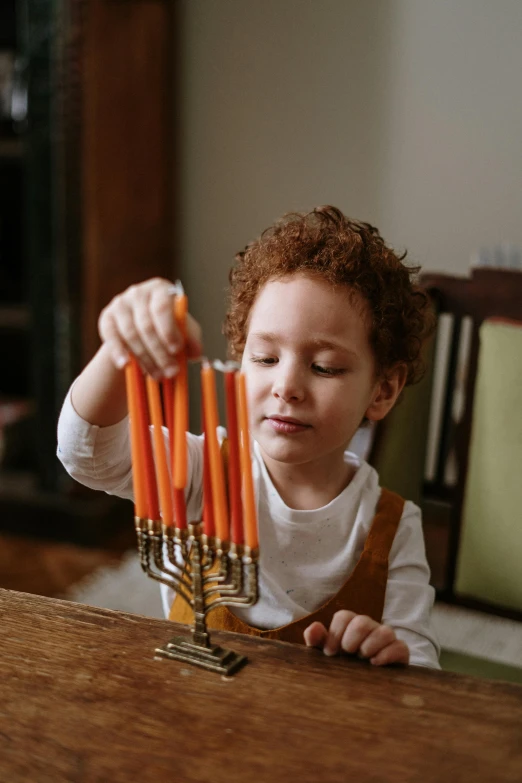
[50, 568]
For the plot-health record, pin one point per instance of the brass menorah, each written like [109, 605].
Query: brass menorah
[206, 574]
[210, 562]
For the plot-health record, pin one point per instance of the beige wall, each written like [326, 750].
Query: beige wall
[407, 113]
[451, 143]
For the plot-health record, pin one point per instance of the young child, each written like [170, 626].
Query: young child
[328, 327]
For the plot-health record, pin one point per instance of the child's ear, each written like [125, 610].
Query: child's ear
[386, 391]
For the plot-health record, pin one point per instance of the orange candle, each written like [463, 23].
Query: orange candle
[180, 419]
[217, 473]
[138, 475]
[167, 385]
[145, 443]
[180, 509]
[209, 527]
[160, 454]
[249, 501]
[179, 505]
[234, 475]
[181, 400]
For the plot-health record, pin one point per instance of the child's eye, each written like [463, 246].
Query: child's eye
[327, 370]
[264, 360]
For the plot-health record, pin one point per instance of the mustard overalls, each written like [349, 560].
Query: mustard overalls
[363, 592]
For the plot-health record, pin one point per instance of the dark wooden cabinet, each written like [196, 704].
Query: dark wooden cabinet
[94, 181]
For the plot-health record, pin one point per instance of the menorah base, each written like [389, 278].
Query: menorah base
[216, 659]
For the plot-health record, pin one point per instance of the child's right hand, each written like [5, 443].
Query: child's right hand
[141, 320]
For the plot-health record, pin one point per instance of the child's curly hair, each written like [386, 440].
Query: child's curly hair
[346, 252]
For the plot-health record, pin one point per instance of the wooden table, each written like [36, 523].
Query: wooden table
[83, 700]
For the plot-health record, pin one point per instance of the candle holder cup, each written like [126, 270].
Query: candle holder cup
[204, 572]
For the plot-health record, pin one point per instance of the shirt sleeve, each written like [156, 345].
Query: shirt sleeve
[409, 596]
[98, 457]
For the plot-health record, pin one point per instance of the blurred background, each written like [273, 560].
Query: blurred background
[147, 137]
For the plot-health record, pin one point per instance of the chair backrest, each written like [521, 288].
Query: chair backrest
[423, 450]
[490, 546]
[398, 451]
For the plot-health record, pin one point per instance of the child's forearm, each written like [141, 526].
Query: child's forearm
[98, 394]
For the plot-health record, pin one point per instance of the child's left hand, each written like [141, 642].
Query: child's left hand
[358, 634]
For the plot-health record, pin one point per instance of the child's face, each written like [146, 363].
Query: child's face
[310, 369]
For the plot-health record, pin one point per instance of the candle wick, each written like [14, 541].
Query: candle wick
[176, 289]
[228, 366]
[219, 365]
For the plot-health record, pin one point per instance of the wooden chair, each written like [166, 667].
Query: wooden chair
[414, 435]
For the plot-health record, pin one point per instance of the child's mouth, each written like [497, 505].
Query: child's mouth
[286, 426]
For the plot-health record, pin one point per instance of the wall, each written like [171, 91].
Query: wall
[451, 141]
[402, 112]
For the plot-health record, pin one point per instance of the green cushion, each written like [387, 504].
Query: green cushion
[490, 551]
[400, 455]
[451, 661]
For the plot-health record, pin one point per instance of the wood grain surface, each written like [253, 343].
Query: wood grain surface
[84, 700]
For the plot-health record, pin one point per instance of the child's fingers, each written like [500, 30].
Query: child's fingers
[315, 635]
[109, 333]
[356, 631]
[141, 320]
[115, 346]
[162, 314]
[156, 358]
[123, 317]
[340, 620]
[161, 335]
[117, 329]
[396, 652]
[377, 640]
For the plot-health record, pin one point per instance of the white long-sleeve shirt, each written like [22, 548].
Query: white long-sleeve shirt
[305, 556]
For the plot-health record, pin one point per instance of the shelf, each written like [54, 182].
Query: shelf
[15, 317]
[88, 518]
[12, 148]
[14, 407]
[17, 485]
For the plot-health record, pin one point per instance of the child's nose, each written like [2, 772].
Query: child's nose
[288, 385]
